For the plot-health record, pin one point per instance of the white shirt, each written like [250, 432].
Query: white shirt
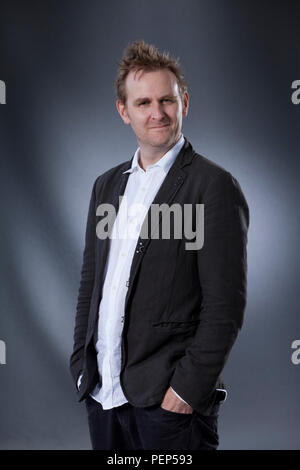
[141, 189]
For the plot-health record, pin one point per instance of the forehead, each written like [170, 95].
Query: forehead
[151, 83]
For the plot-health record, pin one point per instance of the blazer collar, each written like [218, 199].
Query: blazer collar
[183, 158]
[174, 179]
[165, 162]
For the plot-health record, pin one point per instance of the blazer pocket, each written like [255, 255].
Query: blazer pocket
[175, 327]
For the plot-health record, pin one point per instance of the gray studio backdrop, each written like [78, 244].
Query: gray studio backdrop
[59, 129]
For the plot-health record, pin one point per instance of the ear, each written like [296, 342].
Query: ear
[121, 107]
[185, 104]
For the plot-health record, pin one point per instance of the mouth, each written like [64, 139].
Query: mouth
[160, 127]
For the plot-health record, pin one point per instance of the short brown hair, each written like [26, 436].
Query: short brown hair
[142, 56]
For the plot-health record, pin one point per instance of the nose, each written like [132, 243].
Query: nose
[157, 111]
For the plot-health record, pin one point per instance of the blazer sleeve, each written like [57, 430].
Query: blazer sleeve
[222, 269]
[85, 289]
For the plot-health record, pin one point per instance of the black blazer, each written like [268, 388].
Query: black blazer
[183, 308]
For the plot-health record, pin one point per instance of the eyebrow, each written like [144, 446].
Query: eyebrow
[140, 100]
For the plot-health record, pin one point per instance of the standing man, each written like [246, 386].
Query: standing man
[158, 315]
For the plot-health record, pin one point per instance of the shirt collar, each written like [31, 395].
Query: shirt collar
[165, 162]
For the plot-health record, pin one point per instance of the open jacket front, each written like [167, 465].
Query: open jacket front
[183, 308]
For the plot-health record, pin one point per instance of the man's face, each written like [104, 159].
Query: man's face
[154, 108]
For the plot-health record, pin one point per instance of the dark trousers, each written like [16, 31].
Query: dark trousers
[127, 427]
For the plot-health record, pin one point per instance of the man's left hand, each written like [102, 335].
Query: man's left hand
[172, 403]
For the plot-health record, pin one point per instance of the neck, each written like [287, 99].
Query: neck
[150, 155]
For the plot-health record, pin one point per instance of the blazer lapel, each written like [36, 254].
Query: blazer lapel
[166, 193]
[118, 191]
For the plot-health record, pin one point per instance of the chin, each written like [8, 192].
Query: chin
[164, 140]
[161, 143]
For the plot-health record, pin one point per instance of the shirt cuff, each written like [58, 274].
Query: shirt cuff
[224, 394]
[179, 397]
[79, 381]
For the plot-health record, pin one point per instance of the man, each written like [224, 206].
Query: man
[156, 318]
